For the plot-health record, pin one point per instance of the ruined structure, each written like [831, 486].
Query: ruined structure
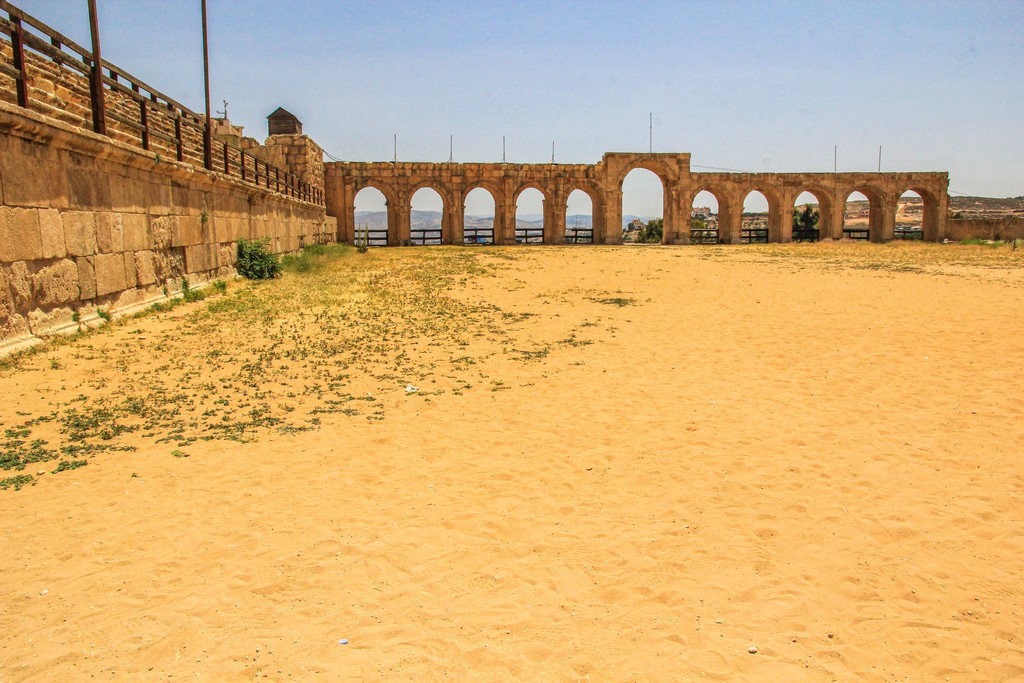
[602, 182]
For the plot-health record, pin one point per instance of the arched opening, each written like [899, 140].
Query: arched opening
[807, 213]
[857, 221]
[425, 212]
[478, 217]
[910, 213]
[579, 218]
[754, 222]
[704, 218]
[530, 216]
[371, 217]
[643, 207]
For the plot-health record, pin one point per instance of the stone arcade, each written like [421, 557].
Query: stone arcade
[602, 182]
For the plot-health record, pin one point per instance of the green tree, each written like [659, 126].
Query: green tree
[806, 219]
[652, 232]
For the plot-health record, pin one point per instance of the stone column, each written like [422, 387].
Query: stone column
[685, 211]
[670, 213]
[613, 217]
[730, 219]
[882, 218]
[787, 205]
[838, 215]
[554, 221]
[455, 232]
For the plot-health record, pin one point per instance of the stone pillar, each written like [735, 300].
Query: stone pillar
[882, 218]
[934, 217]
[554, 221]
[670, 213]
[776, 224]
[838, 216]
[685, 211]
[454, 231]
[730, 219]
[787, 206]
[613, 217]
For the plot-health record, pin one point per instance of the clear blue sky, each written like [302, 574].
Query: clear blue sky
[756, 86]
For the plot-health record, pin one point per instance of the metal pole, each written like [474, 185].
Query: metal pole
[835, 158]
[552, 151]
[395, 159]
[503, 150]
[879, 158]
[650, 134]
[208, 133]
[451, 148]
[99, 115]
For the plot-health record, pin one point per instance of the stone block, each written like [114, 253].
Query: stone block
[31, 177]
[187, 231]
[136, 232]
[163, 228]
[110, 275]
[47, 322]
[130, 275]
[109, 233]
[80, 232]
[20, 237]
[197, 258]
[13, 325]
[86, 278]
[88, 188]
[51, 228]
[19, 284]
[145, 268]
[56, 284]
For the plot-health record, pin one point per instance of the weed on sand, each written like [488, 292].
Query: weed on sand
[338, 333]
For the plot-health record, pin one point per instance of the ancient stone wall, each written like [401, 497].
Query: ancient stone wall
[603, 183]
[87, 223]
[1008, 228]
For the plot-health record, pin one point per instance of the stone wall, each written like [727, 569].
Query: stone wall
[91, 223]
[1008, 228]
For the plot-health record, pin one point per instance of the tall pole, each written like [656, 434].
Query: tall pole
[552, 151]
[650, 134]
[879, 158]
[503, 160]
[835, 158]
[451, 148]
[99, 116]
[208, 133]
[395, 159]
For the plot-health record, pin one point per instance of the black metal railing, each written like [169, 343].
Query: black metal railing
[112, 102]
[908, 233]
[579, 235]
[425, 236]
[529, 235]
[478, 236]
[703, 235]
[857, 233]
[754, 236]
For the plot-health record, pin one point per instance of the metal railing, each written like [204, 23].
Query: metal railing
[122, 106]
[579, 235]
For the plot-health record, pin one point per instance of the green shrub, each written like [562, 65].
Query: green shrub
[255, 261]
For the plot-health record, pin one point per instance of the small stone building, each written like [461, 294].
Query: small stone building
[283, 122]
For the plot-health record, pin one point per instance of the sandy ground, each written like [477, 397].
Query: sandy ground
[632, 463]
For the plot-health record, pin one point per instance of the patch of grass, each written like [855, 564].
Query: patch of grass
[66, 465]
[17, 482]
[613, 301]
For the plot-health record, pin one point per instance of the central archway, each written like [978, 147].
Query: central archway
[579, 218]
[371, 217]
[643, 207]
[478, 214]
[426, 211]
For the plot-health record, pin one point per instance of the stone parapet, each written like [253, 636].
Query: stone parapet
[91, 223]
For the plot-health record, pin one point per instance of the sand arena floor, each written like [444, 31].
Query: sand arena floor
[533, 464]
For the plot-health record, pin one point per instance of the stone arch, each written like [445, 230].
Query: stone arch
[825, 211]
[575, 233]
[654, 165]
[390, 199]
[774, 201]
[707, 229]
[875, 216]
[930, 210]
[425, 231]
[474, 233]
[527, 234]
